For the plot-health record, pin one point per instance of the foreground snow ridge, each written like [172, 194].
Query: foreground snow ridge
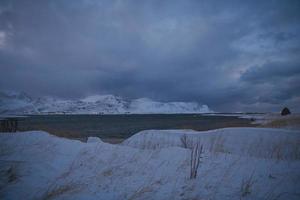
[21, 103]
[237, 163]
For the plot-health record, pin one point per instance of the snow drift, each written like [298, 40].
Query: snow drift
[284, 144]
[149, 165]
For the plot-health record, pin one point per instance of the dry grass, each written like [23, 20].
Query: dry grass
[283, 121]
[246, 186]
[217, 145]
[146, 189]
[196, 156]
[108, 172]
[12, 174]
[184, 141]
[58, 190]
[8, 175]
[138, 194]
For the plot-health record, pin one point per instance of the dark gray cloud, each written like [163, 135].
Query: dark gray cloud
[272, 72]
[233, 56]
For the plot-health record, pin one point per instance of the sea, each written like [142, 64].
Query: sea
[124, 125]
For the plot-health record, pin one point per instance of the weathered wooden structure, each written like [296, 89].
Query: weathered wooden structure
[8, 124]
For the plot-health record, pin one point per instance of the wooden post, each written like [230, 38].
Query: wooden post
[2, 126]
[5, 125]
[9, 125]
[16, 125]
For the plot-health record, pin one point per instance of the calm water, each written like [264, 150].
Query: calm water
[123, 126]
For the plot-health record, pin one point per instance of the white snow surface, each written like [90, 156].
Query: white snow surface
[21, 103]
[152, 165]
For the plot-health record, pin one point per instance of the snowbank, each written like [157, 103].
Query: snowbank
[258, 142]
[37, 165]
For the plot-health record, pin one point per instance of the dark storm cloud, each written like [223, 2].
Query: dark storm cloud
[233, 56]
[274, 82]
[272, 72]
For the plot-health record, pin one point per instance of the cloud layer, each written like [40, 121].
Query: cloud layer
[232, 56]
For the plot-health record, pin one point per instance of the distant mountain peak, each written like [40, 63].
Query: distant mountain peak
[22, 103]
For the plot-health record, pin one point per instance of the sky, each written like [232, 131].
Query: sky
[230, 55]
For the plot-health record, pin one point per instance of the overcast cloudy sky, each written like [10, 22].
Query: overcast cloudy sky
[230, 55]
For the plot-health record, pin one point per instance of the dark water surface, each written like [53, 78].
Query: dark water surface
[123, 126]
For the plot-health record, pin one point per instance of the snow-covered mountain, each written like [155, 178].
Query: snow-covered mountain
[145, 105]
[21, 103]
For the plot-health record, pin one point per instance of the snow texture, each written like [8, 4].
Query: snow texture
[238, 163]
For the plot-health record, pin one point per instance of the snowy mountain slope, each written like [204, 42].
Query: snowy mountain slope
[20, 103]
[70, 169]
[145, 105]
[16, 102]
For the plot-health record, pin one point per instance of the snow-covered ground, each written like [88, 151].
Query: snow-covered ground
[22, 103]
[237, 163]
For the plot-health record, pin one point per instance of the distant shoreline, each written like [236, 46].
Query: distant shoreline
[116, 127]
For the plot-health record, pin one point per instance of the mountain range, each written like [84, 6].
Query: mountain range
[22, 103]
